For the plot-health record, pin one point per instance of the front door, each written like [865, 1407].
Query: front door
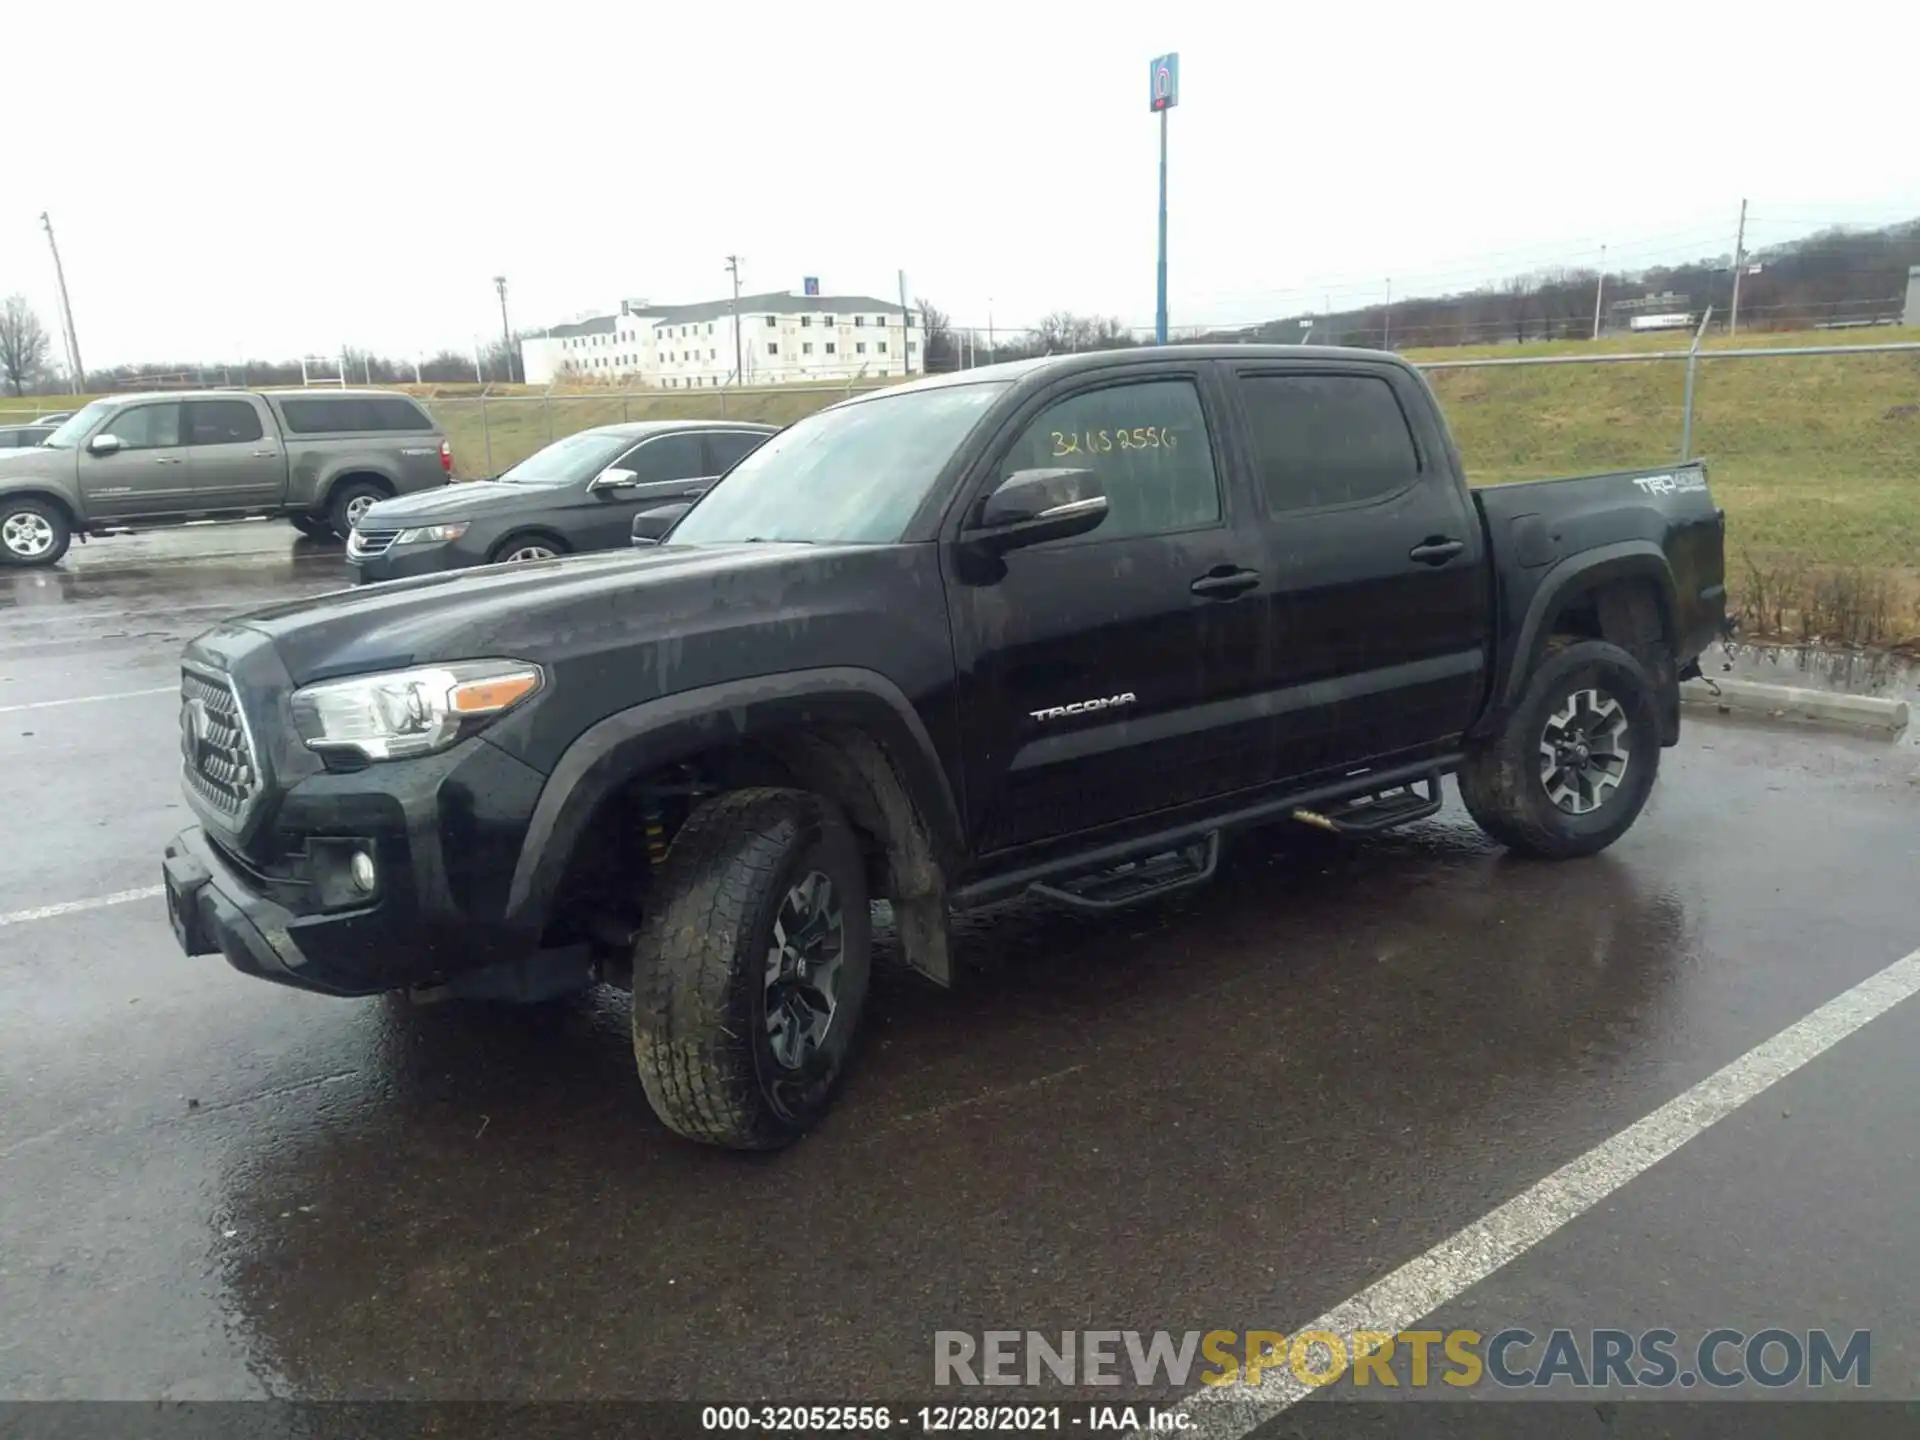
[147, 474]
[1380, 588]
[664, 467]
[1116, 673]
[235, 466]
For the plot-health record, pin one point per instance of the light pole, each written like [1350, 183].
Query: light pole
[1164, 95]
[506, 330]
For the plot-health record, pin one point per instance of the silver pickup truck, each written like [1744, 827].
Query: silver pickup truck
[319, 459]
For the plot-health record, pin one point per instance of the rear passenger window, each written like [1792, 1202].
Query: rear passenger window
[1328, 439]
[1148, 443]
[727, 449]
[222, 422]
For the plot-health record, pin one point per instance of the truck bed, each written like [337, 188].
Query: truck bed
[1632, 518]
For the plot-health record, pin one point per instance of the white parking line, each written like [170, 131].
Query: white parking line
[89, 699]
[1423, 1285]
[70, 907]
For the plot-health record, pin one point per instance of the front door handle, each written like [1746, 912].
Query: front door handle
[1224, 582]
[1436, 550]
[166, 460]
[266, 454]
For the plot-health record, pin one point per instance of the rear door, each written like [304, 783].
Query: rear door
[1380, 586]
[235, 464]
[148, 474]
[1117, 673]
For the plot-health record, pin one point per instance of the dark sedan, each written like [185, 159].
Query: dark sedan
[580, 493]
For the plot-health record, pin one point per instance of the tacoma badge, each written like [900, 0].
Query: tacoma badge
[1082, 707]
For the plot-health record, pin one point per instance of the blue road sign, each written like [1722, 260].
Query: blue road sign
[1166, 82]
[812, 283]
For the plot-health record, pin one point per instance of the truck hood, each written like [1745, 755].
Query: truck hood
[550, 610]
[464, 500]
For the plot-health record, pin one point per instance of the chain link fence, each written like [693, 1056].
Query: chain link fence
[489, 433]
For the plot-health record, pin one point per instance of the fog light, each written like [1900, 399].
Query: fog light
[361, 868]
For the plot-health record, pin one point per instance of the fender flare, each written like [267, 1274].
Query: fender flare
[1578, 575]
[660, 732]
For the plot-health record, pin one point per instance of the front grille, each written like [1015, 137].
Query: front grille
[220, 766]
[364, 544]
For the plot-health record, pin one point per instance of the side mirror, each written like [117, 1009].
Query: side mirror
[104, 444]
[1031, 506]
[613, 478]
[650, 525]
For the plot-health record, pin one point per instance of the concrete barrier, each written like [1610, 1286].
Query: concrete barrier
[1791, 702]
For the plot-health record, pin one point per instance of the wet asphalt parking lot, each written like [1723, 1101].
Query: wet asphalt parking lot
[1231, 1111]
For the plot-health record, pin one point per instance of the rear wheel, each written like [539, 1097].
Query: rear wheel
[352, 499]
[312, 526]
[750, 971]
[527, 547]
[33, 532]
[1571, 769]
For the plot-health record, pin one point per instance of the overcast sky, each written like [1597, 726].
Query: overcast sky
[282, 179]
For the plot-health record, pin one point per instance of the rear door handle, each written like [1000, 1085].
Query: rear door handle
[166, 460]
[1436, 550]
[1224, 582]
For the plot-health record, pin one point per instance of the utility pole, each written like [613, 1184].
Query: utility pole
[739, 365]
[1386, 325]
[78, 372]
[1739, 264]
[506, 330]
[990, 330]
[1599, 289]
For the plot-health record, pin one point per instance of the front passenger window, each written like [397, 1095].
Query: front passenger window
[147, 427]
[1147, 442]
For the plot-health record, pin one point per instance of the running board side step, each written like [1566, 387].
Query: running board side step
[1132, 881]
[1379, 810]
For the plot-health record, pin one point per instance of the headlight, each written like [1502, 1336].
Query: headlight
[410, 712]
[431, 534]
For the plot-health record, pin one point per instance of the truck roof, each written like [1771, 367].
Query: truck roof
[1075, 362]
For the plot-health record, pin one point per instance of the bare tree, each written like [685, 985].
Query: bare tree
[936, 338]
[23, 344]
[1518, 292]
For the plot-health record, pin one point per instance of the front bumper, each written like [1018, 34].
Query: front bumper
[399, 562]
[445, 832]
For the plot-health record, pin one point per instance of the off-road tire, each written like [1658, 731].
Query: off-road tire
[1501, 781]
[700, 1032]
[41, 526]
[314, 527]
[342, 499]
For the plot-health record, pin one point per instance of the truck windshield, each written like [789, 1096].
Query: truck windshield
[75, 427]
[851, 475]
[578, 457]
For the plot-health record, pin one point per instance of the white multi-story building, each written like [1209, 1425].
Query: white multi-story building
[784, 338]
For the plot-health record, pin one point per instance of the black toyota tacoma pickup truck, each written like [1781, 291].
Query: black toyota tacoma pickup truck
[1061, 626]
